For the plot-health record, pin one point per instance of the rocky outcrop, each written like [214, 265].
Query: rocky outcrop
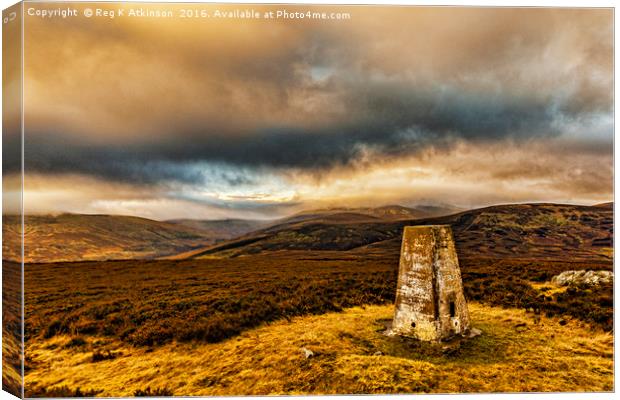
[583, 277]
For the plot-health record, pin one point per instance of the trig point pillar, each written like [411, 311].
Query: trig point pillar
[430, 304]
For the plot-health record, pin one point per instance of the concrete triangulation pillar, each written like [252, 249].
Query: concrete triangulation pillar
[430, 304]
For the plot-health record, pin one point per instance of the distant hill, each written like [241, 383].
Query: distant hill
[222, 229]
[520, 230]
[334, 217]
[76, 237]
[79, 237]
[238, 229]
[390, 212]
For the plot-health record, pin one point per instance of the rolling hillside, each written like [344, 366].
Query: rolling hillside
[74, 237]
[522, 230]
[222, 229]
[390, 212]
[541, 230]
[226, 229]
[359, 217]
[77, 237]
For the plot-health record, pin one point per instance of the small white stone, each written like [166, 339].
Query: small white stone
[307, 352]
[474, 332]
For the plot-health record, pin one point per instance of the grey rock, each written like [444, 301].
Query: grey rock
[583, 277]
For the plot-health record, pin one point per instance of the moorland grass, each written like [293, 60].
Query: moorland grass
[150, 303]
[515, 353]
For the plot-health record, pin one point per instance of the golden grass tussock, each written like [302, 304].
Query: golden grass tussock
[11, 328]
[350, 355]
[11, 363]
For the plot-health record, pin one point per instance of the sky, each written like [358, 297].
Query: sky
[229, 118]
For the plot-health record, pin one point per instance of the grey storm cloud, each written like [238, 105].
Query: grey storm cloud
[309, 97]
[385, 120]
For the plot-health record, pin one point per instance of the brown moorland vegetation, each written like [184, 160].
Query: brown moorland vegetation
[153, 302]
[148, 303]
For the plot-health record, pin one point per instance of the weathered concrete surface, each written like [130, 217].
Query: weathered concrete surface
[430, 304]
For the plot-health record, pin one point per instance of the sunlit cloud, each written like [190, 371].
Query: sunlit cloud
[468, 107]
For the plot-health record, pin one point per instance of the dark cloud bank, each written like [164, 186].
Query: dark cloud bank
[386, 121]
